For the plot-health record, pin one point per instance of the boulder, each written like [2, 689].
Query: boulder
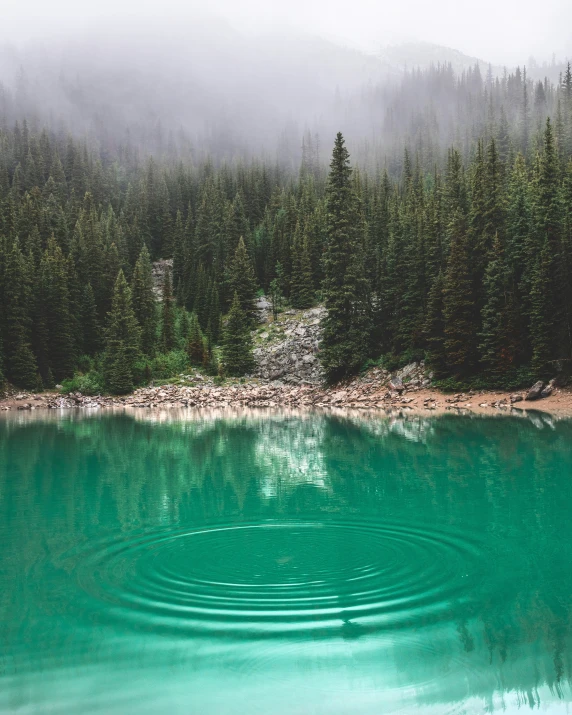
[515, 398]
[535, 391]
[548, 390]
[396, 384]
[408, 370]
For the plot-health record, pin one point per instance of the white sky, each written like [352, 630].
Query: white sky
[500, 31]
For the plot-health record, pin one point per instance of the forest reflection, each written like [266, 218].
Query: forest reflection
[502, 485]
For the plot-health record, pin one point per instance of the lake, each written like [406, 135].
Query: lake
[262, 562]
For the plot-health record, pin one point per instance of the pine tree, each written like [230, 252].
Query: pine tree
[542, 312]
[276, 297]
[168, 337]
[301, 287]
[237, 342]
[122, 340]
[242, 281]
[91, 331]
[498, 347]
[144, 303]
[56, 302]
[459, 303]
[20, 361]
[195, 342]
[435, 328]
[213, 321]
[347, 327]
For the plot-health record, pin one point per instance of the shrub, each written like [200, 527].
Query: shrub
[171, 364]
[90, 383]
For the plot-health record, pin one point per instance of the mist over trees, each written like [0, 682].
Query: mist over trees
[448, 238]
[206, 91]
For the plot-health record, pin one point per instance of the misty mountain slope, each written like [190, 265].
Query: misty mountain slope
[422, 55]
[223, 89]
[202, 89]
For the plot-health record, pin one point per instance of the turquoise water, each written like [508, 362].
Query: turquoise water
[285, 563]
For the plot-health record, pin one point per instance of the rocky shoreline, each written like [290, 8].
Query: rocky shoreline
[407, 390]
[288, 375]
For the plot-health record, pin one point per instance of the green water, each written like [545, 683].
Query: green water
[274, 563]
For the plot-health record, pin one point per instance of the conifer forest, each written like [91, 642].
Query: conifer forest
[451, 243]
[285, 357]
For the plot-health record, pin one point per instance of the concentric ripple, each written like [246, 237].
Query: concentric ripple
[283, 576]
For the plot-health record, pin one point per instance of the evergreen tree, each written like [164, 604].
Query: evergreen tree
[56, 303]
[276, 297]
[20, 361]
[498, 347]
[542, 312]
[91, 332]
[301, 287]
[122, 340]
[237, 342]
[144, 303]
[168, 337]
[459, 304]
[347, 327]
[195, 342]
[242, 281]
[435, 328]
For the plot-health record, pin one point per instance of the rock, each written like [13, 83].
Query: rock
[548, 390]
[59, 387]
[535, 391]
[396, 384]
[264, 309]
[158, 272]
[290, 350]
[408, 370]
[515, 398]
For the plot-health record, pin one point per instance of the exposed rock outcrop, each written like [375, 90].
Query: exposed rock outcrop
[287, 349]
[159, 269]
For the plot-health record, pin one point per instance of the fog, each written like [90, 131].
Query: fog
[249, 79]
[499, 31]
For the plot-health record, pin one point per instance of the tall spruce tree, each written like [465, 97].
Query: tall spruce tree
[195, 342]
[459, 303]
[347, 326]
[144, 303]
[90, 328]
[242, 281]
[56, 303]
[20, 361]
[237, 342]
[435, 328]
[301, 287]
[168, 334]
[498, 347]
[122, 340]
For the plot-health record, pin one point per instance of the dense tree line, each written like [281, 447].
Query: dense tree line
[468, 264]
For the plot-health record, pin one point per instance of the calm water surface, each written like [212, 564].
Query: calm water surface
[276, 563]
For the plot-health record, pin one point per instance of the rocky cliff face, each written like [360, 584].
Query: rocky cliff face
[286, 350]
[159, 269]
